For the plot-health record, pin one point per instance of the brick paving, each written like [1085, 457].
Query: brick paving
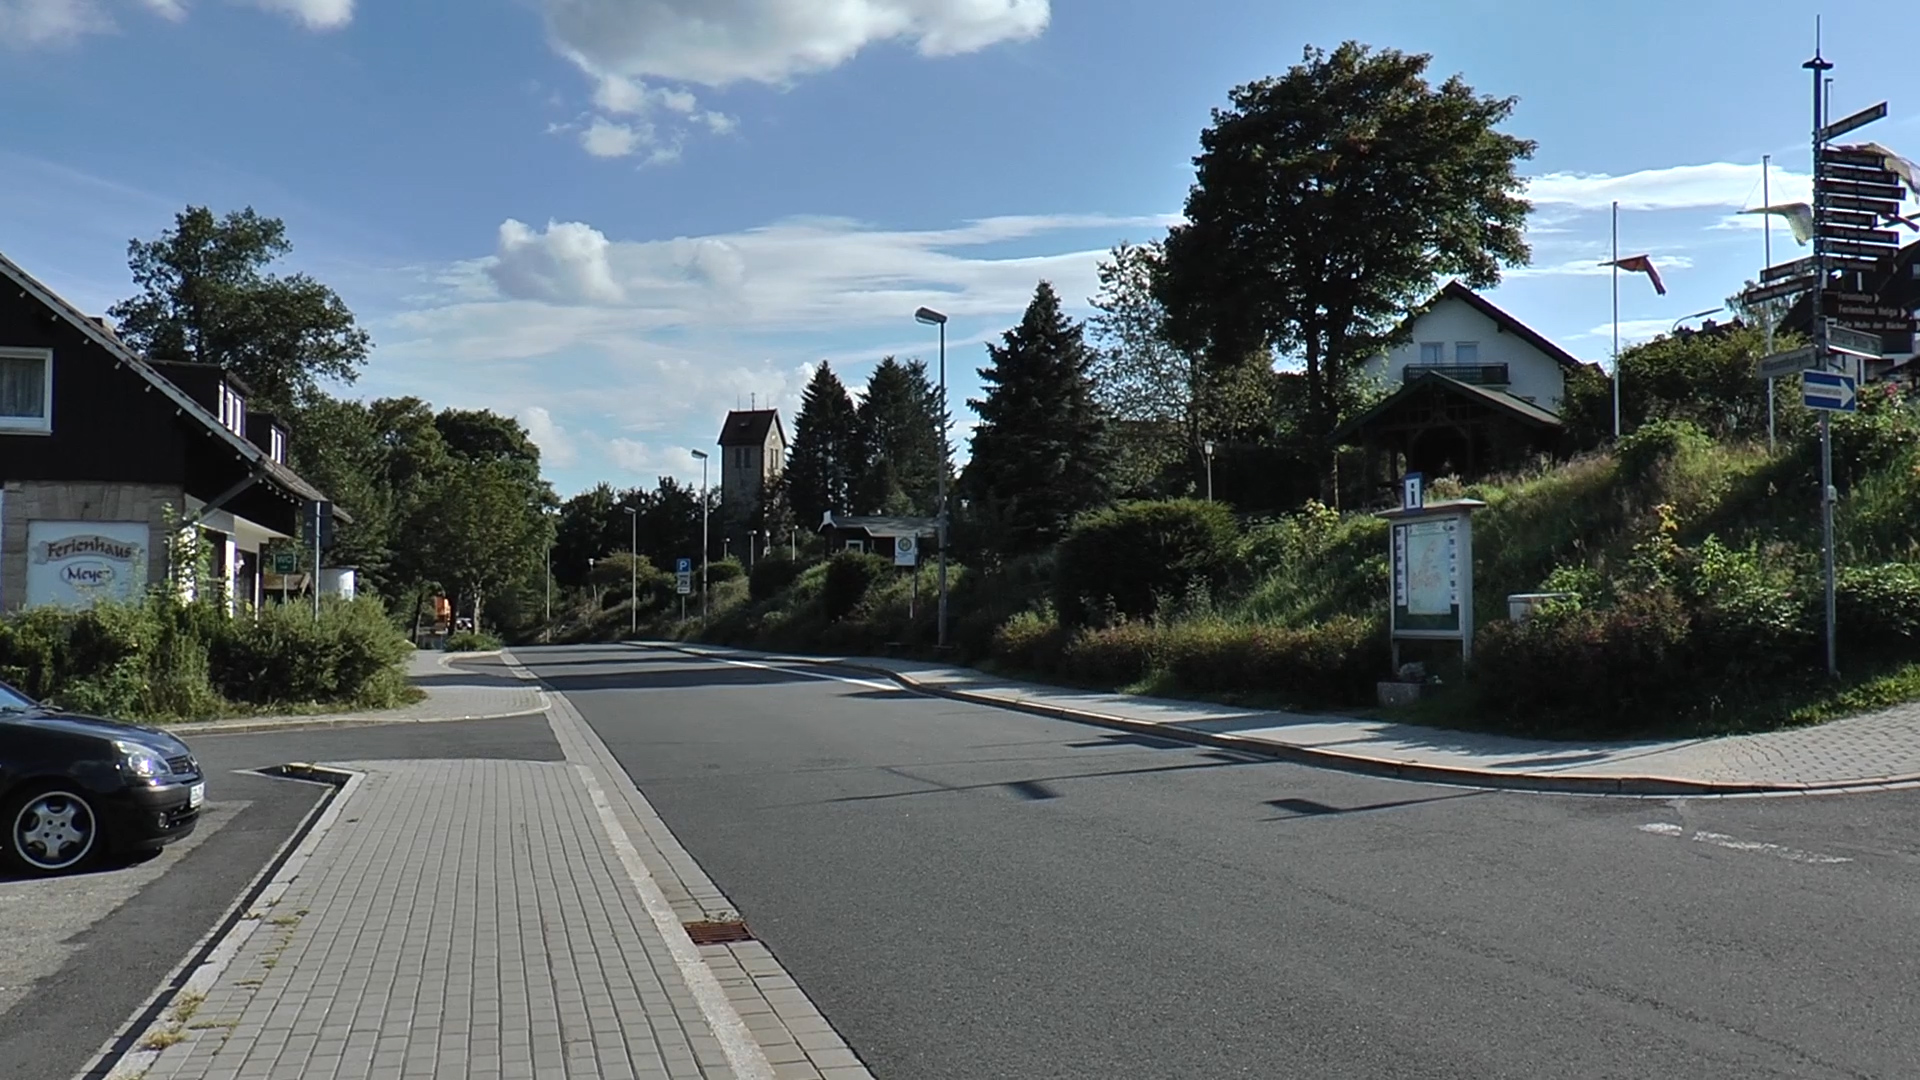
[1876, 748]
[459, 919]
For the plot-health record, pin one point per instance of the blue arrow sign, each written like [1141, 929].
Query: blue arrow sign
[683, 566]
[1827, 390]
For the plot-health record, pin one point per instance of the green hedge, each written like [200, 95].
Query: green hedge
[160, 659]
[1132, 560]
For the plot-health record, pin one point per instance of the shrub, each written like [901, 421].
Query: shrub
[1877, 609]
[727, 569]
[470, 641]
[1335, 662]
[1107, 656]
[1621, 666]
[1644, 452]
[1030, 641]
[1128, 561]
[849, 575]
[351, 654]
[771, 577]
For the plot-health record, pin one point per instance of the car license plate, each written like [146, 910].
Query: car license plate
[196, 795]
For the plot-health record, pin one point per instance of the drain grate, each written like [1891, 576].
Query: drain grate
[718, 933]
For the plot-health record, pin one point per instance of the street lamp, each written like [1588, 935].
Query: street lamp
[753, 547]
[633, 574]
[1690, 318]
[1207, 449]
[702, 455]
[930, 317]
[550, 543]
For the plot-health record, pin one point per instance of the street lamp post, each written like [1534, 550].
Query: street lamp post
[930, 317]
[753, 547]
[633, 574]
[702, 455]
[1207, 449]
[1689, 318]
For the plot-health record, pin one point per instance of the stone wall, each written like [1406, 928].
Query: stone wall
[22, 501]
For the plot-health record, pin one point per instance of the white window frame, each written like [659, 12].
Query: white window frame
[277, 445]
[32, 425]
[233, 410]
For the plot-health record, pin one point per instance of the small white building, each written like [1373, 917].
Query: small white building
[1464, 336]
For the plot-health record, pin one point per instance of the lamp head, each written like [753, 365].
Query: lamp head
[700, 455]
[930, 317]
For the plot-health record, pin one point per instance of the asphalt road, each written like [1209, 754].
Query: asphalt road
[971, 892]
[81, 953]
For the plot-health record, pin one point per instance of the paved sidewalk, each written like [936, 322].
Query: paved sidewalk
[458, 687]
[1875, 750]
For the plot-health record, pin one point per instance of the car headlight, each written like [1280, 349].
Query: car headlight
[142, 762]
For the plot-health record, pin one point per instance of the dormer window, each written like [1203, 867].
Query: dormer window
[233, 410]
[277, 445]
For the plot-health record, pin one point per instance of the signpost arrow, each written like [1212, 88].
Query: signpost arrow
[1774, 290]
[1850, 123]
[1827, 390]
[1848, 340]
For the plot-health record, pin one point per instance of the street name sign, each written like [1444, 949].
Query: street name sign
[1882, 207]
[1851, 123]
[1828, 390]
[1788, 363]
[1774, 290]
[1848, 340]
[1862, 158]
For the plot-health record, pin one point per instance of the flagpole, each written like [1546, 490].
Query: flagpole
[1766, 222]
[1616, 321]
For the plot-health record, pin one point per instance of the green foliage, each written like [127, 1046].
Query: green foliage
[1038, 457]
[161, 659]
[205, 297]
[1648, 449]
[1609, 671]
[849, 575]
[901, 458]
[825, 459]
[1878, 610]
[1314, 565]
[1332, 663]
[1330, 201]
[1030, 641]
[469, 641]
[727, 569]
[771, 577]
[1128, 561]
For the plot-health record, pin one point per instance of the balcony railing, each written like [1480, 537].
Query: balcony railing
[1476, 374]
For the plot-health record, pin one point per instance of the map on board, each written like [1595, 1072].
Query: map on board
[1427, 579]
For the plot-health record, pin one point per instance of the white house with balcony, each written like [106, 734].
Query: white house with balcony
[1465, 337]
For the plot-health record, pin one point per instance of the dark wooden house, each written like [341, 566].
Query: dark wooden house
[101, 447]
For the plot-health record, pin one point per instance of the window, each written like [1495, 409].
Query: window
[1432, 352]
[233, 410]
[26, 390]
[1466, 352]
[277, 445]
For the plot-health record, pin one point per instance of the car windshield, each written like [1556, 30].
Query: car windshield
[12, 700]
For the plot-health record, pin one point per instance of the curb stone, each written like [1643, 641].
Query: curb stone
[1640, 786]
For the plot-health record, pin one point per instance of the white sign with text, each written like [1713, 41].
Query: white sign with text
[76, 563]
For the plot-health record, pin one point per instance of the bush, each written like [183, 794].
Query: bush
[1335, 662]
[849, 575]
[727, 569]
[470, 641]
[351, 654]
[1621, 666]
[1878, 609]
[1110, 656]
[1643, 453]
[771, 577]
[1029, 642]
[1129, 561]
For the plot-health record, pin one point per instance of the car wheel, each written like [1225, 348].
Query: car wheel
[50, 830]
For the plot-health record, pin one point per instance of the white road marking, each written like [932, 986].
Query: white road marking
[872, 684]
[1722, 840]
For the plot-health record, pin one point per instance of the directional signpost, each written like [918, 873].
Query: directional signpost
[1780, 365]
[1829, 391]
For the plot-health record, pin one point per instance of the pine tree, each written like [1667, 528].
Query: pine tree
[826, 456]
[900, 440]
[1038, 455]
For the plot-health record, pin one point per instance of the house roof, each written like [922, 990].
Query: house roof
[1506, 322]
[749, 427]
[1525, 412]
[95, 331]
[879, 525]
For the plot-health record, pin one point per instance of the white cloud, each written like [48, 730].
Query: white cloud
[1632, 331]
[717, 42]
[567, 264]
[720, 123]
[556, 446]
[314, 14]
[1680, 187]
[604, 138]
[29, 23]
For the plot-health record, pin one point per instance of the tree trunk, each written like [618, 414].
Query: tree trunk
[1318, 427]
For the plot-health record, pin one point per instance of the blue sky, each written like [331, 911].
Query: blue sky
[617, 218]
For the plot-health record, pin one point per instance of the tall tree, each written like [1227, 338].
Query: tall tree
[1039, 458]
[1327, 203]
[899, 424]
[825, 458]
[206, 296]
[480, 530]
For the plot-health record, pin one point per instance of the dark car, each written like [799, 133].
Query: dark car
[76, 787]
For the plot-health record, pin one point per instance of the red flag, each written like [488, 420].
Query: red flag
[1640, 264]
